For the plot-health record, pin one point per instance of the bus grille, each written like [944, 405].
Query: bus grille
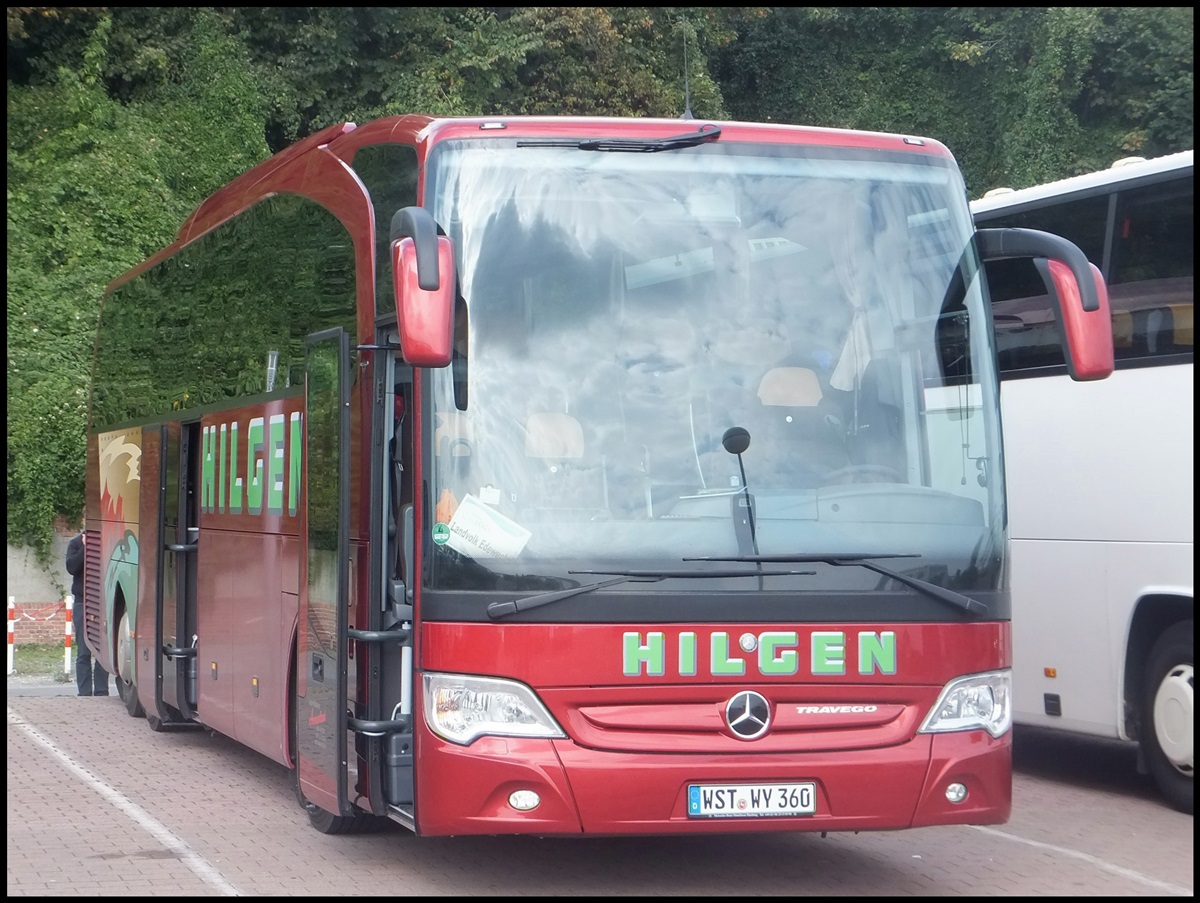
[92, 599]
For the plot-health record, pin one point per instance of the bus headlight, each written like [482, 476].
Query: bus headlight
[460, 708]
[975, 702]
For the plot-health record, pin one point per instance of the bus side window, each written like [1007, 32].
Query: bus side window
[1027, 333]
[1122, 331]
[1151, 273]
[1182, 314]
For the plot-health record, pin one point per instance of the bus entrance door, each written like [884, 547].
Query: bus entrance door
[319, 706]
[175, 627]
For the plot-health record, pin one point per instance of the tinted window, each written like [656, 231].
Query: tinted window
[1151, 275]
[198, 327]
[1147, 259]
[390, 173]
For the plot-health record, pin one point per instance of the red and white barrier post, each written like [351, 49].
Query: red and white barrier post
[68, 629]
[12, 623]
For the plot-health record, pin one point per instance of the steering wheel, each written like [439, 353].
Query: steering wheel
[862, 473]
[459, 452]
[459, 448]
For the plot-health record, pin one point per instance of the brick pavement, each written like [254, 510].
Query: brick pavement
[193, 814]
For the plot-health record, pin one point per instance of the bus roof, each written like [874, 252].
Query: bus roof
[344, 139]
[1126, 169]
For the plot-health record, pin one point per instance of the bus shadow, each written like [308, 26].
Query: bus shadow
[1086, 762]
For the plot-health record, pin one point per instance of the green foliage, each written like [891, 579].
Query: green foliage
[325, 65]
[95, 186]
[282, 271]
[1141, 81]
[1021, 95]
[603, 61]
[43, 660]
[121, 120]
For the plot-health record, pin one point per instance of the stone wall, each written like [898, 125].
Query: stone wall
[39, 623]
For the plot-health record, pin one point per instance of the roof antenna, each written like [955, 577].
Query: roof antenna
[687, 90]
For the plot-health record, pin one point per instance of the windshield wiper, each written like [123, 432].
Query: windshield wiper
[499, 610]
[958, 600]
[632, 145]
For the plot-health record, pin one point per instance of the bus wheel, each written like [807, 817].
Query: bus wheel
[124, 676]
[1166, 715]
[328, 823]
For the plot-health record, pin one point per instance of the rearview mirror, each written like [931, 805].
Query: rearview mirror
[1077, 288]
[424, 277]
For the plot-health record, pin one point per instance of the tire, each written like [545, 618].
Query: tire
[173, 723]
[328, 823]
[1166, 715]
[124, 677]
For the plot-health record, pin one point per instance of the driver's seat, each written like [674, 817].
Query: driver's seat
[801, 429]
[564, 477]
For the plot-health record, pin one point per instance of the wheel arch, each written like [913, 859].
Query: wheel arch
[1152, 615]
[119, 607]
[289, 704]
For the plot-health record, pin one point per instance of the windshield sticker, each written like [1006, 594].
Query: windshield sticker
[482, 532]
[441, 533]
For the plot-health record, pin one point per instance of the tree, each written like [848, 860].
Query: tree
[121, 120]
[94, 186]
[1020, 95]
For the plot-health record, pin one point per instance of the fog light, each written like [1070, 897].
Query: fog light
[956, 792]
[525, 800]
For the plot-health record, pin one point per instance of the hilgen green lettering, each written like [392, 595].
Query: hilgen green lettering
[722, 664]
[208, 468]
[235, 482]
[294, 466]
[275, 435]
[877, 652]
[828, 652]
[652, 654]
[254, 466]
[687, 654]
[773, 656]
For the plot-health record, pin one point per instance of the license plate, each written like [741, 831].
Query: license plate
[751, 800]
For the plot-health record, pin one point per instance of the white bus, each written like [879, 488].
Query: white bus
[1100, 473]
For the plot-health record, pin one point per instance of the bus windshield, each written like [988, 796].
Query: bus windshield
[715, 351]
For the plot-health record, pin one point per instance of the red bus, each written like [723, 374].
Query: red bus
[572, 476]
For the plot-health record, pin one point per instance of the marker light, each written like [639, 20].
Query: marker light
[460, 708]
[975, 702]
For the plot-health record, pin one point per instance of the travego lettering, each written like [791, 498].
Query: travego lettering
[773, 653]
[253, 482]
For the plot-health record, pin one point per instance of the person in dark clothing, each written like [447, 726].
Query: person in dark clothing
[90, 677]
